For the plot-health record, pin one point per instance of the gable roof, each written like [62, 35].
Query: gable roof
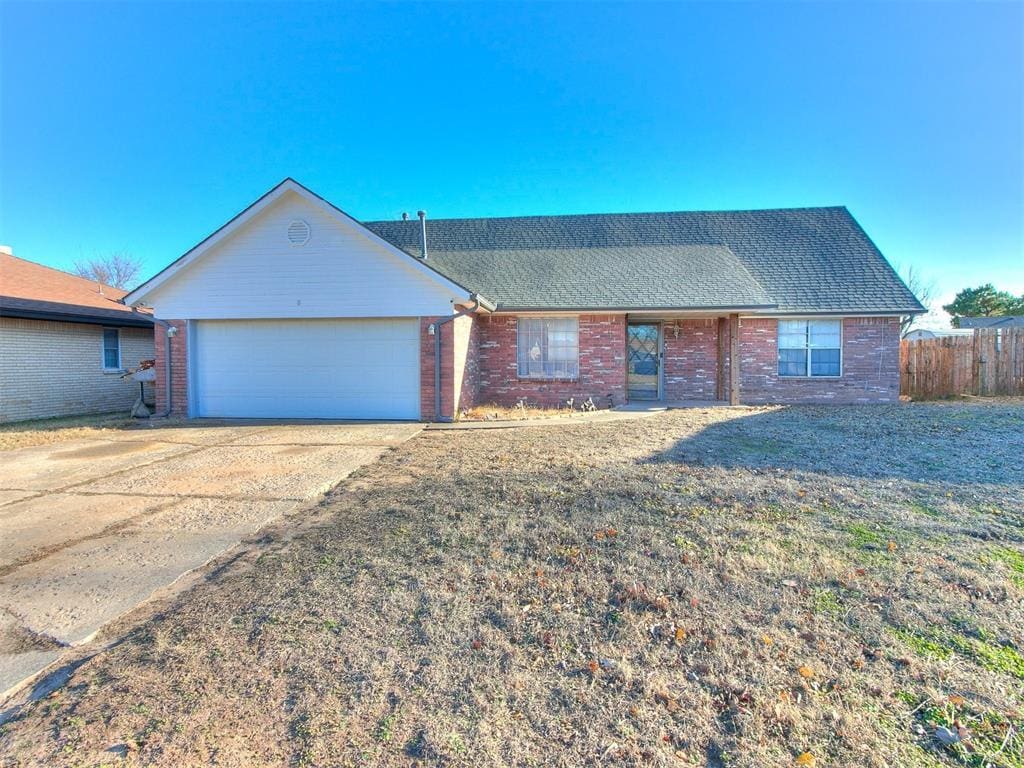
[996, 321]
[785, 261]
[34, 291]
[139, 293]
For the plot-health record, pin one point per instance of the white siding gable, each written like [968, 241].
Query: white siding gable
[341, 271]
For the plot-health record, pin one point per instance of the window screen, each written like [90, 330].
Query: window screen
[111, 349]
[548, 348]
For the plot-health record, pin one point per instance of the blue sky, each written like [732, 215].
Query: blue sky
[143, 127]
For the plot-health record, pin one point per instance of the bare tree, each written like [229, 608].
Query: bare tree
[922, 288]
[117, 269]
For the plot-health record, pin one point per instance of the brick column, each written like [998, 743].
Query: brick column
[179, 369]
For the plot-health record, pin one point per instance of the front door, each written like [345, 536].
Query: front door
[643, 361]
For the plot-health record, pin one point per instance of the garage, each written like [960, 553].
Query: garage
[362, 368]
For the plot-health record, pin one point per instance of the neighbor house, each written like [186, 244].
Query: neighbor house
[993, 321]
[64, 343]
[295, 309]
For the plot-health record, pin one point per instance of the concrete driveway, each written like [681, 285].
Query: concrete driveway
[91, 528]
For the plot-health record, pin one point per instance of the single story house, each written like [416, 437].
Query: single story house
[294, 309]
[993, 322]
[64, 343]
[935, 333]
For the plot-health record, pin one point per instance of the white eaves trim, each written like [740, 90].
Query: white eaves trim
[138, 295]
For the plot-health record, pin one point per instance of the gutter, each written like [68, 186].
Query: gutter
[478, 302]
[169, 332]
[62, 317]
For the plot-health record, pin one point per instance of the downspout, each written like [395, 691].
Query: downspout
[437, 354]
[169, 332]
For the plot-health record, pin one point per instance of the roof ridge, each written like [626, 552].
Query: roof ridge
[624, 213]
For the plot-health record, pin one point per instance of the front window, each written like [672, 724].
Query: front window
[549, 347]
[810, 347]
[111, 349]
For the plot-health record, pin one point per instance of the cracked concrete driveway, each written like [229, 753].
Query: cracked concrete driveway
[91, 528]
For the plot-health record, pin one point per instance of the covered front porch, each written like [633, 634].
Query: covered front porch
[682, 357]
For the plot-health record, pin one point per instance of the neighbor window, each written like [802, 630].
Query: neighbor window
[111, 349]
[810, 347]
[549, 347]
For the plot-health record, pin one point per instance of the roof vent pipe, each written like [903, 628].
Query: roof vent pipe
[423, 233]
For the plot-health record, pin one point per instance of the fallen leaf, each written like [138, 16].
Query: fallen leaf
[806, 672]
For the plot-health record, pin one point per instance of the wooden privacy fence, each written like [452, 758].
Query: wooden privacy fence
[991, 362]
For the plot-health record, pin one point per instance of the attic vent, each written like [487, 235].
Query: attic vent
[298, 232]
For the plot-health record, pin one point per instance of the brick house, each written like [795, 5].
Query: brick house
[64, 343]
[294, 309]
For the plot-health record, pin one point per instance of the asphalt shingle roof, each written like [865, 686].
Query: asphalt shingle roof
[28, 289]
[787, 260]
[1004, 321]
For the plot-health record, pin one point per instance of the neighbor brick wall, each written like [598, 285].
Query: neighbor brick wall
[871, 372]
[50, 369]
[602, 340]
[179, 369]
[691, 359]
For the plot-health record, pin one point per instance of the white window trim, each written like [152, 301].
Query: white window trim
[103, 351]
[542, 376]
[807, 374]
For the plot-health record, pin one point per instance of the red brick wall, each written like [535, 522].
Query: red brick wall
[602, 365]
[427, 369]
[691, 359]
[466, 342]
[459, 366]
[870, 374]
[179, 371]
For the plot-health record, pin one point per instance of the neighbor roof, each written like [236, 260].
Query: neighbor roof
[791, 260]
[998, 321]
[31, 290]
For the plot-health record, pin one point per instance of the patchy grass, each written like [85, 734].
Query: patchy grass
[723, 587]
[1013, 560]
[23, 434]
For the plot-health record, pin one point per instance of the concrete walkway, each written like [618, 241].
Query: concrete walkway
[91, 528]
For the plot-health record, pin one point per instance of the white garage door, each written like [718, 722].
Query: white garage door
[307, 369]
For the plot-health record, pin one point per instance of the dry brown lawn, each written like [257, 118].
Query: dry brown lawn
[751, 587]
[23, 434]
